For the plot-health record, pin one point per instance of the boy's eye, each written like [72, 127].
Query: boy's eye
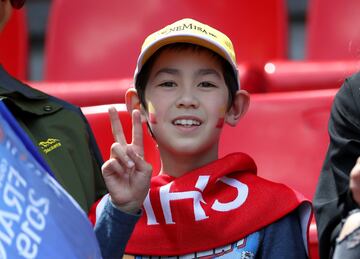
[206, 85]
[167, 84]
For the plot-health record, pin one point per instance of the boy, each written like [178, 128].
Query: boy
[58, 129]
[198, 206]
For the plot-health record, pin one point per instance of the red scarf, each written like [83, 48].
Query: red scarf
[209, 207]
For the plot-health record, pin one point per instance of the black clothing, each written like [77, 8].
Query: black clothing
[333, 200]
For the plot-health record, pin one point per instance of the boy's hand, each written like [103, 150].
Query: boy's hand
[355, 182]
[126, 174]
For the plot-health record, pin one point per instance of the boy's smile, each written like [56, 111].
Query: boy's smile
[187, 122]
[187, 97]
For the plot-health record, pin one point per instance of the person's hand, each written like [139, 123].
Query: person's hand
[355, 182]
[126, 174]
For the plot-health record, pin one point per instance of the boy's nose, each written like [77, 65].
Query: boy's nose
[187, 99]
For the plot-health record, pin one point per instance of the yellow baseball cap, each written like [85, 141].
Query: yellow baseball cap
[188, 31]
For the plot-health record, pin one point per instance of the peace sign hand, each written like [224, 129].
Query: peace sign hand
[126, 174]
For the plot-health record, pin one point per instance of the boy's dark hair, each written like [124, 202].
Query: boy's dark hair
[227, 70]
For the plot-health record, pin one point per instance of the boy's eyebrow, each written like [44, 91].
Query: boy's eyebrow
[200, 72]
[167, 70]
[208, 71]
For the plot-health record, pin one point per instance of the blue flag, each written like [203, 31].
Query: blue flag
[38, 218]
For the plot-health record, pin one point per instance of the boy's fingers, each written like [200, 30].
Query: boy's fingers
[120, 154]
[140, 163]
[116, 126]
[112, 166]
[137, 139]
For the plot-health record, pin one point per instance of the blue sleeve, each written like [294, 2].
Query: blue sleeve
[283, 239]
[113, 230]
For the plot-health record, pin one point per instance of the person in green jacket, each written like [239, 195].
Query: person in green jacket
[58, 129]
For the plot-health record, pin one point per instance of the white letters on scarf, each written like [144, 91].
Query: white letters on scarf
[166, 197]
[242, 189]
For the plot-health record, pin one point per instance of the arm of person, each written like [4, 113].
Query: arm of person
[333, 199]
[113, 230]
[283, 239]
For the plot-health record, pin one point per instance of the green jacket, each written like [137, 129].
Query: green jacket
[62, 135]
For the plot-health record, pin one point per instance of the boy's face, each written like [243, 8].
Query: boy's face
[187, 100]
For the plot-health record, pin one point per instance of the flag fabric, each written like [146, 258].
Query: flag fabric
[38, 218]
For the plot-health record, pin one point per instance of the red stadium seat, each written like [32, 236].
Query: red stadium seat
[332, 30]
[286, 134]
[89, 40]
[87, 93]
[313, 241]
[332, 50]
[14, 45]
[283, 76]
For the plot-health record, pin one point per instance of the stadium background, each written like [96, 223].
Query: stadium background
[38, 10]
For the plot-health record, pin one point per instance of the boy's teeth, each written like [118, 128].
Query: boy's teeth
[187, 122]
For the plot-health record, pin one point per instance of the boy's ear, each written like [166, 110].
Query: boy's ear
[132, 101]
[238, 108]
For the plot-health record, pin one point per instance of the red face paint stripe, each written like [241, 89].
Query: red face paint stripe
[220, 123]
[152, 118]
